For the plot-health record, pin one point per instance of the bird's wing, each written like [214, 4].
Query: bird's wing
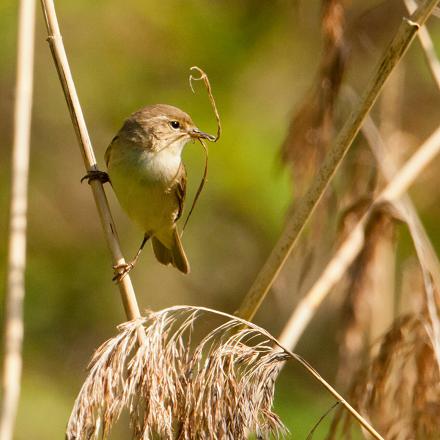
[180, 189]
[109, 150]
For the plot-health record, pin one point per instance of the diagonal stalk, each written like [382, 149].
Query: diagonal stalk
[351, 246]
[62, 65]
[388, 168]
[298, 220]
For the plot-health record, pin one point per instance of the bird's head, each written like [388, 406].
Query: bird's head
[160, 126]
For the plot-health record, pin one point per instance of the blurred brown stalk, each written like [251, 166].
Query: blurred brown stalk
[353, 243]
[337, 267]
[16, 263]
[305, 208]
[394, 373]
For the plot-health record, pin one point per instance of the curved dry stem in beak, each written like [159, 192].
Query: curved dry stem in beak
[204, 77]
[201, 185]
[197, 134]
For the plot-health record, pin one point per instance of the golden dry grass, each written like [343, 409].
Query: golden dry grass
[223, 387]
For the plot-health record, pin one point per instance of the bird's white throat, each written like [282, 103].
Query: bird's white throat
[162, 165]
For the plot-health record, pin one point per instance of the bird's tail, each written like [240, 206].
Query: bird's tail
[174, 255]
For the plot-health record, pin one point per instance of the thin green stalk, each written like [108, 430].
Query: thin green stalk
[298, 220]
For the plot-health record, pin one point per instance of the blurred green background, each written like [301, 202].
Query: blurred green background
[261, 57]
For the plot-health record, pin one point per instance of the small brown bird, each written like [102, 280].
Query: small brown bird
[147, 174]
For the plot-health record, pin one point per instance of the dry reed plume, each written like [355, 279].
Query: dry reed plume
[363, 294]
[223, 388]
[399, 390]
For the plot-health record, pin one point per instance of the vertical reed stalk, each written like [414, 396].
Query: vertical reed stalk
[296, 223]
[16, 263]
[62, 65]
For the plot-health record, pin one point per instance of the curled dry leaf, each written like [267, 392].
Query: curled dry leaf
[203, 77]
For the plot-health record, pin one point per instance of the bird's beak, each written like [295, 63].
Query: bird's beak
[197, 134]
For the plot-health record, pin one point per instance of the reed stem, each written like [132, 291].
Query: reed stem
[16, 262]
[62, 65]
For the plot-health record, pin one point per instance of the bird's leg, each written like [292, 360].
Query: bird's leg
[123, 269]
[102, 176]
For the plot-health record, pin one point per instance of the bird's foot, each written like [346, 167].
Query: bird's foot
[121, 270]
[102, 176]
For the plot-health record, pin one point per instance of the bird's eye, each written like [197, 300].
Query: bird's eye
[175, 124]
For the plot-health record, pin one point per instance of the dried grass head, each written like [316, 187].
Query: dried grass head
[399, 390]
[223, 388]
[365, 288]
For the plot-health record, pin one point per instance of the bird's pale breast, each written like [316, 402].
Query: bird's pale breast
[142, 181]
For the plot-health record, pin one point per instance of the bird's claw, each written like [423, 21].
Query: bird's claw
[102, 176]
[121, 270]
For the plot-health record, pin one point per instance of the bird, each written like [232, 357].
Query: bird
[145, 169]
